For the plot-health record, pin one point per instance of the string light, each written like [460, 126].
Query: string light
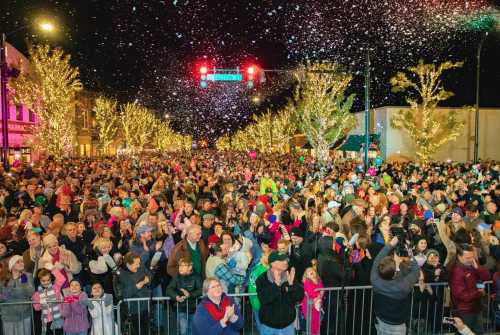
[50, 89]
[428, 128]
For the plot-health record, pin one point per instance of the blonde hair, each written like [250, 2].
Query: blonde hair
[305, 277]
[25, 214]
[101, 242]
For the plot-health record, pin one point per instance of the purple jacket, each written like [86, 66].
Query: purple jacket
[75, 315]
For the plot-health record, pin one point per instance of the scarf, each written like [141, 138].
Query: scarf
[52, 308]
[217, 311]
[56, 258]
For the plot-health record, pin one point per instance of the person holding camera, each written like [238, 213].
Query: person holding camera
[467, 289]
[392, 290]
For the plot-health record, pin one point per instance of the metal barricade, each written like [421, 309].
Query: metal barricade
[350, 311]
[142, 316]
[25, 317]
[347, 311]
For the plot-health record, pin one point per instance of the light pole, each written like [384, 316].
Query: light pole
[367, 108]
[5, 73]
[478, 78]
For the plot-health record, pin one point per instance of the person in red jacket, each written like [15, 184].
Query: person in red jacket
[467, 288]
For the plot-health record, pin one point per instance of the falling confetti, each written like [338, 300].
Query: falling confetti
[149, 50]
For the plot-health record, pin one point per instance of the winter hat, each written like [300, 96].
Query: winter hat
[431, 252]
[296, 231]
[13, 260]
[143, 229]
[277, 256]
[49, 239]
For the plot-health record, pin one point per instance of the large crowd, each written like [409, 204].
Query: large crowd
[195, 226]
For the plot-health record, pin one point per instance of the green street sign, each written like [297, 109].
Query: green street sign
[224, 77]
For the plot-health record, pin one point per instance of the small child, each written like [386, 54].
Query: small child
[185, 288]
[312, 282]
[48, 291]
[74, 310]
[101, 312]
[240, 256]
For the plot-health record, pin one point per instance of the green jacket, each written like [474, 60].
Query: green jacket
[252, 288]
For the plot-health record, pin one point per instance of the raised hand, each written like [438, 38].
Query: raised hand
[291, 276]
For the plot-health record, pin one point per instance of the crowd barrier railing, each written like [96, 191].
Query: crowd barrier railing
[344, 311]
[350, 310]
[21, 318]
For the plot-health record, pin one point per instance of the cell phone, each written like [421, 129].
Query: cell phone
[480, 286]
[449, 320]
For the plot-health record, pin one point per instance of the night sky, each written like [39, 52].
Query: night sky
[149, 50]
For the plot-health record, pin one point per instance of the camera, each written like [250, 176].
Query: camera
[402, 235]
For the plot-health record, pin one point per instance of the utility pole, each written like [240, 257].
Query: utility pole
[367, 108]
[478, 78]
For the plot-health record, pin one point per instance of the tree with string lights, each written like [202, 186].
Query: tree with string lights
[49, 88]
[321, 109]
[108, 121]
[427, 127]
[138, 125]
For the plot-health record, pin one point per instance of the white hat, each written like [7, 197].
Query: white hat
[333, 204]
[13, 260]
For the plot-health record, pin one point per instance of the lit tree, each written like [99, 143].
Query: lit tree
[428, 128]
[285, 128]
[322, 111]
[49, 88]
[138, 125]
[223, 143]
[108, 121]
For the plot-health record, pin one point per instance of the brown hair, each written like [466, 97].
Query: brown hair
[130, 257]
[387, 268]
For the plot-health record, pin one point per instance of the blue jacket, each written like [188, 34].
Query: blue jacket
[204, 324]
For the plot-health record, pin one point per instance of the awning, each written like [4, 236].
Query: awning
[355, 142]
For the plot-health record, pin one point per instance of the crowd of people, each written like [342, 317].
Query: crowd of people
[77, 236]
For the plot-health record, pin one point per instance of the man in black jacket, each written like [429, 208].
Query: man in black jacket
[301, 253]
[392, 290]
[278, 295]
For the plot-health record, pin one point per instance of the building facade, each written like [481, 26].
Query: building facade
[21, 120]
[395, 143]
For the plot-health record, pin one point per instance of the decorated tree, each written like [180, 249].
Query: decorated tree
[322, 111]
[49, 87]
[284, 129]
[223, 143]
[166, 139]
[428, 127]
[138, 125]
[108, 121]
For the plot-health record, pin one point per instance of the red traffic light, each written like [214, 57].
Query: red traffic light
[203, 70]
[251, 70]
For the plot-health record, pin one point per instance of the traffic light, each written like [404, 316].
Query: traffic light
[203, 76]
[252, 71]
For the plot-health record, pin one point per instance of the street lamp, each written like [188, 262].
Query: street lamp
[483, 23]
[5, 72]
[478, 81]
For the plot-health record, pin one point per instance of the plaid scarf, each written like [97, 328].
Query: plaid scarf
[50, 307]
